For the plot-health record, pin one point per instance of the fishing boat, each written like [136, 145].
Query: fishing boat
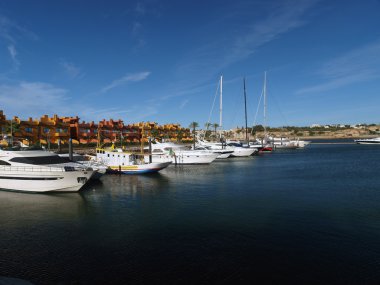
[369, 141]
[121, 161]
[40, 171]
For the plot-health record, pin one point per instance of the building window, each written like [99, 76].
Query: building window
[46, 130]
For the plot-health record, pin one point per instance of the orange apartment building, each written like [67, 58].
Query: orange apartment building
[58, 130]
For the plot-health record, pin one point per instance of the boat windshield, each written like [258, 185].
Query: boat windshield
[39, 160]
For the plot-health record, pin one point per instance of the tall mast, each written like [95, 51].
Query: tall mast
[221, 105]
[245, 107]
[265, 102]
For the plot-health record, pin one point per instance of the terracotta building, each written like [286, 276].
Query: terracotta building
[58, 130]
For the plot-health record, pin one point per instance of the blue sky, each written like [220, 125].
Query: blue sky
[161, 60]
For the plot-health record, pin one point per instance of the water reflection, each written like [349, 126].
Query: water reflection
[133, 185]
[19, 209]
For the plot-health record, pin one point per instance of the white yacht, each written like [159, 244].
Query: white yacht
[180, 154]
[286, 143]
[221, 153]
[240, 148]
[368, 141]
[40, 171]
[234, 150]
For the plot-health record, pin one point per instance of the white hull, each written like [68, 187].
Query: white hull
[241, 151]
[217, 148]
[184, 158]
[38, 180]
[224, 155]
[179, 154]
[140, 168]
[378, 143]
[369, 141]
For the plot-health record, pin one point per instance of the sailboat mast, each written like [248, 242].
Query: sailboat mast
[245, 107]
[221, 105]
[265, 102]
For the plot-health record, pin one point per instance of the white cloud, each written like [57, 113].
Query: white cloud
[136, 28]
[126, 79]
[241, 41]
[13, 53]
[33, 99]
[11, 32]
[140, 8]
[183, 104]
[359, 65]
[71, 69]
[284, 18]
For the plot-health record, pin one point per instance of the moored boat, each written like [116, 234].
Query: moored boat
[180, 154]
[368, 141]
[40, 171]
[120, 161]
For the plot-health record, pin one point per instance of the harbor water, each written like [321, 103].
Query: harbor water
[307, 216]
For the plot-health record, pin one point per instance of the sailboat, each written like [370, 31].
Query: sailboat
[263, 145]
[225, 150]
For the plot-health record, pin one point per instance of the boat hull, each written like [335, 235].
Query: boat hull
[184, 158]
[368, 141]
[241, 152]
[40, 182]
[139, 169]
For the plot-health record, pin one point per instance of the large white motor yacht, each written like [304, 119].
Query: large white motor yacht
[180, 154]
[40, 171]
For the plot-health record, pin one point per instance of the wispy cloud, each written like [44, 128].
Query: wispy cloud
[71, 69]
[136, 28]
[33, 98]
[126, 79]
[183, 104]
[13, 53]
[283, 19]
[140, 8]
[11, 33]
[218, 53]
[359, 65]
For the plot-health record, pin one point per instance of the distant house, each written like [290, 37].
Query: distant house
[315, 126]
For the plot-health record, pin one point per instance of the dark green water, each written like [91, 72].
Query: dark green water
[291, 217]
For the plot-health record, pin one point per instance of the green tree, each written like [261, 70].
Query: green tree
[194, 125]
[179, 135]
[154, 133]
[215, 126]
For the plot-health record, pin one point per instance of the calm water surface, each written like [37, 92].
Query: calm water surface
[303, 217]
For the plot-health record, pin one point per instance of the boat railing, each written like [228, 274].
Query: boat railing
[40, 169]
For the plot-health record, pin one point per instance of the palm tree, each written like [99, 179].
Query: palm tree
[194, 125]
[154, 133]
[179, 135]
[215, 126]
[207, 132]
[11, 129]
